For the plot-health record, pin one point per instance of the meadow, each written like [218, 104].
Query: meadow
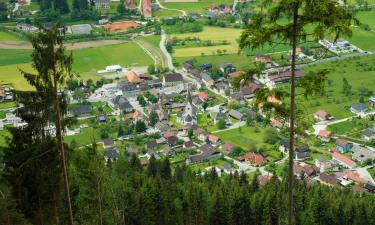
[14, 56]
[195, 7]
[358, 71]
[7, 36]
[11, 75]
[166, 13]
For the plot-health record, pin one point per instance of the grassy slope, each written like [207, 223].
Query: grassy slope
[167, 13]
[13, 56]
[11, 75]
[6, 36]
[358, 71]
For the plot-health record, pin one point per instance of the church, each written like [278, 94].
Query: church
[189, 114]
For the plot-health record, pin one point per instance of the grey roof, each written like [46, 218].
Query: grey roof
[81, 29]
[285, 143]
[111, 154]
[370, 132]
[361, 154]
[172, 140]
[226, 65]
[359, 107]
[221, 116]
[151, 144]
[80, 110]
[127, 87]
[235, 114]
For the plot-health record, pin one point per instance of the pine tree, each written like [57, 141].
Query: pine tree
[61, 6]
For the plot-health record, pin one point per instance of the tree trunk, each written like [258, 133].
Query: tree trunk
[62, 152]
[292, 116]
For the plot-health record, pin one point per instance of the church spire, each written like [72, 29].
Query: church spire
[188, 97]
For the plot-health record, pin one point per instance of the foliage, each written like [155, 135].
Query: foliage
[221, 124]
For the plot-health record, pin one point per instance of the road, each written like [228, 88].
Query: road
[148, 48]
[163, 7]
[167, 56]
[234, 126]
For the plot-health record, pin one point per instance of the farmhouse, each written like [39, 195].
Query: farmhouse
[102, 4]
[343, 145]
[359, 109]
[173, 79]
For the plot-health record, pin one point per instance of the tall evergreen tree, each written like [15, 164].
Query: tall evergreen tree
[287, 21]
[61, 6]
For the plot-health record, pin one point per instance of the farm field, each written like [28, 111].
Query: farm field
[214, 34]
[93, 59]
[240, 61]
[14, 56]
[153, 39]
[7, 36]
[166, 13]
[195, 7]
[358, 71]
[10, 74]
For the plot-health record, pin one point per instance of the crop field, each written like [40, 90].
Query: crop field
[14, 56]
[214, 34]
[167, 13]
[358, 71]
[195, 7]
[11, 75]
[6, 36]
[93, 59]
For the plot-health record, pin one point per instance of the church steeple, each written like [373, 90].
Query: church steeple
[188, 97]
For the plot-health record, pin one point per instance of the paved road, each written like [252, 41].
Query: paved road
[363, 172]
[167, 56]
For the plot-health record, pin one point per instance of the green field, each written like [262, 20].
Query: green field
[214, 34]
[11, 75]
[153, 39]
[195, 7]
[93, 59]
[14, 56]
[239, 60]
[358, 71]
[167, 13]
[7, 36]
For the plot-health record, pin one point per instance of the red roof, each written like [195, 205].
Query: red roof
[212, 138]
[353, 175]
[236, 74]
[343, 159]
[133, 77]
[203, 96]
[228, 147]
[134, 115]
[168, 134]
[324, 133]
[147, 10]
[322, 114]
[255, 158]
[272, 99]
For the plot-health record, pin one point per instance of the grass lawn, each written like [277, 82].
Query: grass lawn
[358, 71]
[5, 105]
[195, 7]
[3, 135]
[7, 36]
[214, 34]
[240, 61]
[11, 75]
[244, 137]
[167, 13]
[14, 56]
[353, 128]
[153, 39]
[372, 172]
[93, 59]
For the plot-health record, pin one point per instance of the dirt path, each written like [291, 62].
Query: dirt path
[70, 46]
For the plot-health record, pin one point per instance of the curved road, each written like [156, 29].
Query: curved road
[179, 10]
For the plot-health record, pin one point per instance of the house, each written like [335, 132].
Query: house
[201, 134]
[265, 59]
[370, 187]
[123, 104]
[162, 126]
[302, 153]
[80, 110]
[353, 176]
[222, 86]
[220, 116]
[172, 79]
[102, 118]
[207, 80]
[172, 141]
[235, 114]
[188, 144]
[207, 152]
[227, 168]
[133, 77]
[284, 146]
[324, 135]
[361, 154]
[329, 180]
[369, 133]
[228, 148]
[108, 143]
[263, 180]
[167, 151]
[284, 75]
[227, 68]
[147, 8]
[128, 89]
[236, 74]
[213, 139]
[167, 134]
[132, 150]
[372, 101]
[255, 159]
[203, 96]
[323, 164]
[206, 67]
[249, 91]
[102, 4]
[302, 171]
[188, 65]
[343, 160]
[343, 145]
[322, 115]
[151, 145]
[189, 114]
[137, 115]
[359, 109]
[111, 155]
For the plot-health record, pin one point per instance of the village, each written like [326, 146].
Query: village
[188, 110]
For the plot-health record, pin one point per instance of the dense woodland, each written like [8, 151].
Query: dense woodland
[125, 192]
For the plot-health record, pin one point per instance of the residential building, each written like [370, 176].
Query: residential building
[359, 109]
[284, 146]
[133, 77]
[329, 180]
[207, 80]
[361, 154]
[188, 145]
[102, 118]
[369, 133]
[151, 145]
[108, 143]
[228, 148]
[213, 139]
[372, 101]
[111, 154]
[302, 153]
[147, 8]
[343, 160]
[207, 152]
[322, 115]
[173, 79]
[323, 164]
[235, 114]
[172, 141]
[227, 68]
[324, 135]
[254, 159]
[102, 4]
[220, 116]
[80, 110]
[343, 145]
